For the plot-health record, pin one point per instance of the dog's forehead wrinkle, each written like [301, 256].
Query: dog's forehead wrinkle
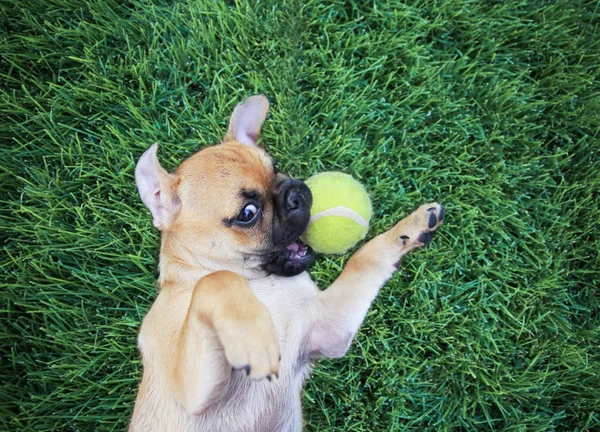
[238, 150]
[223, 159]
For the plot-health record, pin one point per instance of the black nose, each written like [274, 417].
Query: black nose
[294, 195]
[292, 199]
[292, 211]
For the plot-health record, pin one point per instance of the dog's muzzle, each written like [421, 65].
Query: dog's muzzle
[292, 213]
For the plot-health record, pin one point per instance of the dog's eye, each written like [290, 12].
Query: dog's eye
[248, 214]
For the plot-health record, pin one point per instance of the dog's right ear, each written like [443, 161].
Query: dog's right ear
[247, 119]
[157, 189]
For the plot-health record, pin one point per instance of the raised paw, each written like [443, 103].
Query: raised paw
[419, 227]
[250, 344]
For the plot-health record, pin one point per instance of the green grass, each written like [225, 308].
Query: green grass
[490, 107]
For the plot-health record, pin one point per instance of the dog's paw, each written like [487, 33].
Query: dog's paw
[419, 227]
[250, 344]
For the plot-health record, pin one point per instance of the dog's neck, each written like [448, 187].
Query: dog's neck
[180, 266]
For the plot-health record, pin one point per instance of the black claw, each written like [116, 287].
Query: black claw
[277, 375]
[269, 378]
[279, 357]
[432, 220]
[247, 369]
[441, 215]
[397, 265]
[404, 238]
[426, 237]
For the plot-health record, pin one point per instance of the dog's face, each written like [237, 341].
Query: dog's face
[228, 204]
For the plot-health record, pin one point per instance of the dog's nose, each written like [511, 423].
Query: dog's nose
[292, 200]
[292, 203]
[295, 195]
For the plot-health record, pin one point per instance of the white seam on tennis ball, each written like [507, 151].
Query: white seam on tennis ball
[339, 211]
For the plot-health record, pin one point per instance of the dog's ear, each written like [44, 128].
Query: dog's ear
[157, 189]
[246, 120]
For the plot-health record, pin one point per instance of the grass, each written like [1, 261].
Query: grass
[491, 107]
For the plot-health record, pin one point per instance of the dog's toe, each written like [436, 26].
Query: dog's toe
[435, 216]
[432, 219]
[418, 228]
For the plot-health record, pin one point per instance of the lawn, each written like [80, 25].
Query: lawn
[491, 107]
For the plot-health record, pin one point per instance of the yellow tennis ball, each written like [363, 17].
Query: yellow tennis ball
[340, 213]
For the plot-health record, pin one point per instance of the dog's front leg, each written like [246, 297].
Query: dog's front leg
[226, 327]
[345, 303]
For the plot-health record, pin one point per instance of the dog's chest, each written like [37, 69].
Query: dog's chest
[292, 305]
[291, 302]
[275, 405]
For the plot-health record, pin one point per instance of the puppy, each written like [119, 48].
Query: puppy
[238, 321]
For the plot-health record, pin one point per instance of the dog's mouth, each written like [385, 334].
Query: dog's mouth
[296, 258]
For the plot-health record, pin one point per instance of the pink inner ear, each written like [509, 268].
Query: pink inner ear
[247, 128]
[152, 201]
[156, 206]
[248, 119]
[247, 138]
[254, 137]
[150, 177]
[147, 177]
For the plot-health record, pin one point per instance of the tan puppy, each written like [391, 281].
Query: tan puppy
[230, 339]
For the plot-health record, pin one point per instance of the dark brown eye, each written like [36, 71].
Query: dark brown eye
[248, 214]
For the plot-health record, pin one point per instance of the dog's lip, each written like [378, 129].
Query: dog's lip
[297, 250]
[291, 260]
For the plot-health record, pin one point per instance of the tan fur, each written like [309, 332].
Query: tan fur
[217, 311]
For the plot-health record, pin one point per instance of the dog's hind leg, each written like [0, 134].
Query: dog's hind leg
[344, 305]
[226, 327]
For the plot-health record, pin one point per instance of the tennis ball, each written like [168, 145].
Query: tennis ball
[340, 213]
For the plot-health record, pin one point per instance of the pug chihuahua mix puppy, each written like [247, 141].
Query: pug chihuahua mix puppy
[238, 321]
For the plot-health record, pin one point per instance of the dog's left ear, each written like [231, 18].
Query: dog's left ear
[246, 120]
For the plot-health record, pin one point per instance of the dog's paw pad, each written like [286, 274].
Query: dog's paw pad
[434, 215]
[419, 227]
[432, 218]
[426, 237]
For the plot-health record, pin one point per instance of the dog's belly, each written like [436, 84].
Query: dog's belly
[251, 406]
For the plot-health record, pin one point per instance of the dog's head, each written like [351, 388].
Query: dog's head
[228, 203]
